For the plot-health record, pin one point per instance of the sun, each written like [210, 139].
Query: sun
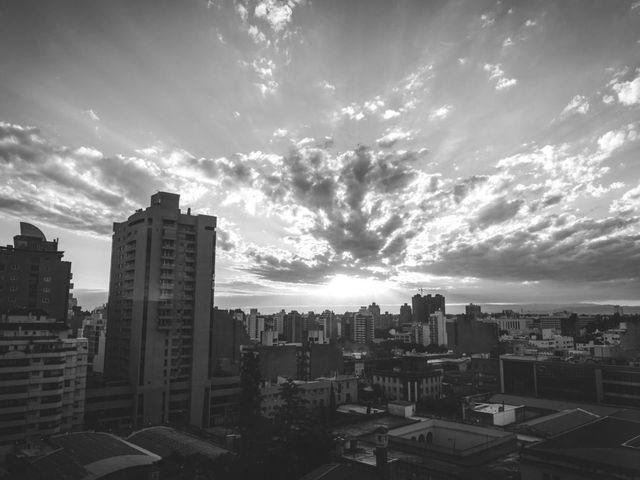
[345, 286]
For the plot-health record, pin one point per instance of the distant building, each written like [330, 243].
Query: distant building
[438, 328]
[470, 336]
[317, 393]
[293, 327]
[94, 329]
[33, 275]
[423, 306]
[473, 311]
[405, 314]
[43, 377]
[362, 326]
[412, 386]
[539, 376]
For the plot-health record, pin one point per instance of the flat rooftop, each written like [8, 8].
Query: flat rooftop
[608, 442]
[493, 408]
[557, 405]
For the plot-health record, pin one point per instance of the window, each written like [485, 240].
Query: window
[45, 299]
[15, 267]
[46, 279]
[46, 290]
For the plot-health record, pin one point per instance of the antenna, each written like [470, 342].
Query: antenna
[421, 290]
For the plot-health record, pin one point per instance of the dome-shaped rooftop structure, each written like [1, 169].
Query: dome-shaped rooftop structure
[28, 230]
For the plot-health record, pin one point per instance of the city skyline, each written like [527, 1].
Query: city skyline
[352, 152]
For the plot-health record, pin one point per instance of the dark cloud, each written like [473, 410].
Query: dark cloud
[73, 188]
[586, 250]
[499, 211]
[291, 270]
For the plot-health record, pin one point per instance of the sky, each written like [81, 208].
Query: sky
[352, 151]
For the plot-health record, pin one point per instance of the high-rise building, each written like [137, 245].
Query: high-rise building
[362, 328]
[33, 274]
[94, 330]
[293, 327]
[438, 328]
[473, 311]
[159, 326]
[374, 308]
[405, 313]
[43, 376]
[423, 306]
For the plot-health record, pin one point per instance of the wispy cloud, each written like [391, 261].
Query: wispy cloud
[496, 73]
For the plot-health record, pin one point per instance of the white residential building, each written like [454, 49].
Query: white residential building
[43, 376]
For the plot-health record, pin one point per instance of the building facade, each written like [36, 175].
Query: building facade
[159, 327]
[33, 274]
[43, 376]
[411, 386]
[362, 326]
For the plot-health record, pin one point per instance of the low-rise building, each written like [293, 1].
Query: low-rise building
[412, 386]
[498, 414]
[607, 448]
[317, 393]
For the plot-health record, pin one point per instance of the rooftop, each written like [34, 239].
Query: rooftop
[85, 455]
[557, 423]
[607, 443]
[548, 404]
[493, 408]
[164, 441]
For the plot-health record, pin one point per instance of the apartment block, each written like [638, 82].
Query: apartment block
[159, 321]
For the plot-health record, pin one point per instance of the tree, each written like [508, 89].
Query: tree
[302, 444]
[250, 396]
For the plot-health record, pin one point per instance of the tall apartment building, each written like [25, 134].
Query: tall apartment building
[362, 326]
[438, 328]
[94, 329]
[159, 325]
[423, 306]
[473, 311]
[33, 274]
[42, 377]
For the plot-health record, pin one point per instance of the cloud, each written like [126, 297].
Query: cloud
[611, 141]
[257, 36]
[80, 188]
[277, 14]
[440, 113]
[496, 73]
[327, 86]
[92, 115]
[628, 92]
[487, 20]
[392, 137]
[389, 114]
[578, 104]
[579, 250]
[499, 211]
[507, 42]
